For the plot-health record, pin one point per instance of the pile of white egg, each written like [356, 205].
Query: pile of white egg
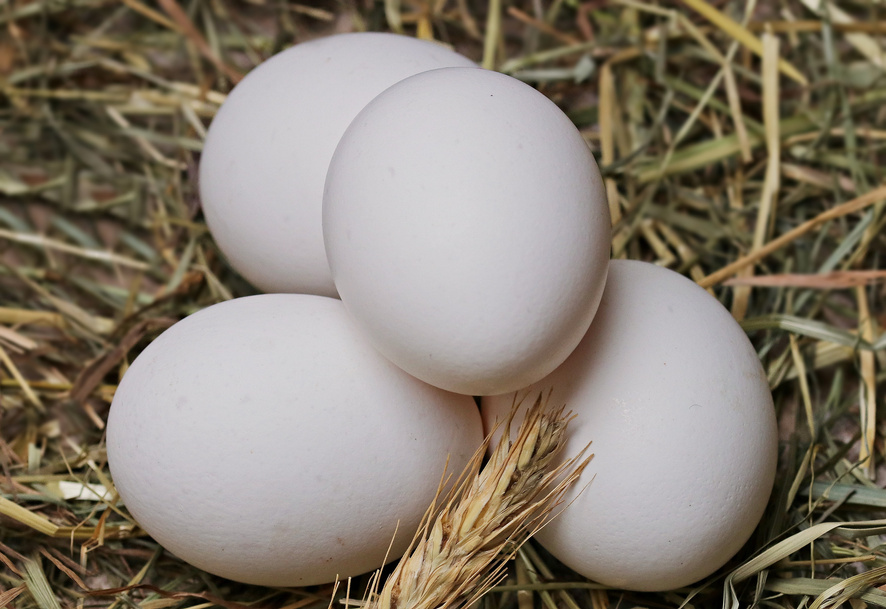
[282, 439]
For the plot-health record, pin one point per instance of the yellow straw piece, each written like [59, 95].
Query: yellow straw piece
[743, 36]
[17, 375]
[27, 517]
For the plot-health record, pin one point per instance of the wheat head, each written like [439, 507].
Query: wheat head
[462, 548]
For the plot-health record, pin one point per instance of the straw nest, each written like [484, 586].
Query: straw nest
[742, 144]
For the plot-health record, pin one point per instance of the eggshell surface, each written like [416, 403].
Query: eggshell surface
[467, 229]
[265, 157]
[673, 397]
[264, 440]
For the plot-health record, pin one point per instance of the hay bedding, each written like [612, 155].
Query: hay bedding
[743, 145]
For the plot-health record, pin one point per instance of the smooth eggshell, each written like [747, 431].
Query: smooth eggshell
[265, 156]
[263, 440]
[467, 229]
[672, 394]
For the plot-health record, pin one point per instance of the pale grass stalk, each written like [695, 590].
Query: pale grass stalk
[868, 391]
[461, 550]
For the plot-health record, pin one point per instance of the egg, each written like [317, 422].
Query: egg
[264, 440]
[265, 157]
[671, 393]
[467, 229]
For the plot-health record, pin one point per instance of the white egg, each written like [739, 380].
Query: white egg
[265, 156]
[467, 229]
[671, 393]
[264, 440]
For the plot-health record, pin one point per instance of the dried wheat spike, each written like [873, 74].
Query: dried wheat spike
[461, 550]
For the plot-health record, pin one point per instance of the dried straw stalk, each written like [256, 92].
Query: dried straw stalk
[460, 551]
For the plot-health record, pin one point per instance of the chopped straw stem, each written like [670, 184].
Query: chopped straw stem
[461, 551]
